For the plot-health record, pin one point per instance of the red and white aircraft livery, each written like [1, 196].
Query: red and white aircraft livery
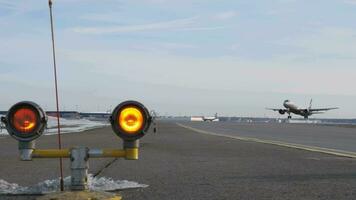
[291, 107]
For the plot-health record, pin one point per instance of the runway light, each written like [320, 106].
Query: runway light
[25, 121]
[130, 120]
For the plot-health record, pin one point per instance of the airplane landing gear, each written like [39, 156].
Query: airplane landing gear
[289, 117]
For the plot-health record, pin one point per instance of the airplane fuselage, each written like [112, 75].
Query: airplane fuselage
[293, 108]
[290, 105]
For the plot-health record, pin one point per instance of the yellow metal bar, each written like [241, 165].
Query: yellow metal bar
[128, 153]
[113, 153]
[131, 153]
[51, 153]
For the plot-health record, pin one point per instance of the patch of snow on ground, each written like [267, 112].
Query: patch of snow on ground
[71, 125]
[2, 127]
[3, 132]
[49, 186]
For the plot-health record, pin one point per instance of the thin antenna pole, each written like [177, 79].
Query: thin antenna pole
[56, 89]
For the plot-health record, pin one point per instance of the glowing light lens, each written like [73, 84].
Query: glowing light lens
[130, 120]
[24, 120]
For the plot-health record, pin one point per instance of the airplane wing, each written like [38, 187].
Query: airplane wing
[277, 109]
[322, 109]
[318, 112]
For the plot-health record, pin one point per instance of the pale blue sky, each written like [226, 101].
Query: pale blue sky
[181, 57]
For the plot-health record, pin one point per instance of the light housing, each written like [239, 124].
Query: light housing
[130, 120]
[25, 121]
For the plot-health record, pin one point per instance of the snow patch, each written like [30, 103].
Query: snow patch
[71, 125]
[2, 127]
[50, 186]
[3, 132]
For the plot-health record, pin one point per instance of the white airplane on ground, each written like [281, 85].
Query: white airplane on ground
[211, 119]
[291, 107]
[206, 119]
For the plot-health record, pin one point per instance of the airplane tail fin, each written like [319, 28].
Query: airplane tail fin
[310, 104]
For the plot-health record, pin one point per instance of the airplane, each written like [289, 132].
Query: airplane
[291, 107]
[211, 119]
[205, 119]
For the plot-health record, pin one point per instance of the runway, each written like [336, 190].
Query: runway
[179, 163]
[323, 138]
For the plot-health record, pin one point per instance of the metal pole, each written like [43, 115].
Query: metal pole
[79, 168]
[56, 89]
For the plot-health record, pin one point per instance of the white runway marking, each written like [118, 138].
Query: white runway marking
[279, 143]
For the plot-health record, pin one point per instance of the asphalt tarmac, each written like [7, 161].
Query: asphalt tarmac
[179, 163]
[331, 137]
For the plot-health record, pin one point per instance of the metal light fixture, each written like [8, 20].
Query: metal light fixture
[130, 120]
[25, 121]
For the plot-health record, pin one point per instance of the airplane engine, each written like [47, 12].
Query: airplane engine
[281, 112]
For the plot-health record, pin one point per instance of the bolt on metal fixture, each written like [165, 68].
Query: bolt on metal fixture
[25, 122]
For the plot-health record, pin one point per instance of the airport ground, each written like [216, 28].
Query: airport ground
[181, 163]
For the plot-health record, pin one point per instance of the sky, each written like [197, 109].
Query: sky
[181, 57]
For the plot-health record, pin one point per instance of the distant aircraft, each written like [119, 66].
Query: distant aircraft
[206, 119]
[290, 107]
[211, 119]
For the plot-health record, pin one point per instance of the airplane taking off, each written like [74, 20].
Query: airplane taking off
[291, 107]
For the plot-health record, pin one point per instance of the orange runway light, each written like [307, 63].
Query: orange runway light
[131, 119]
[24, 120]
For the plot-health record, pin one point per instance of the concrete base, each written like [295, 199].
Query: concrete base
[80, 195]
